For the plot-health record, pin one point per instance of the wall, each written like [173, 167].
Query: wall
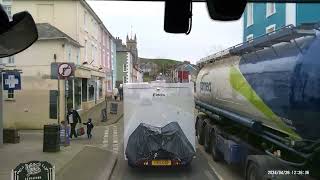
[260, 21]
[121, 59]
[61, 14]
[308, 13]
[30, 107]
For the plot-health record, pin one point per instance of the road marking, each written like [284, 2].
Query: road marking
[208, 174]
[115, 145]
[105, 141]
[215, 171]
[211, 166]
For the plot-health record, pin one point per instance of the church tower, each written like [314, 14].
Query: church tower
[132, 46]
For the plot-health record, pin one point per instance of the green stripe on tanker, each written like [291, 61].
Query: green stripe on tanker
[240, 84]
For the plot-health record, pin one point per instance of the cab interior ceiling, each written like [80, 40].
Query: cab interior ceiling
[178, 13]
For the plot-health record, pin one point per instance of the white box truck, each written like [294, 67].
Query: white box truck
[159, 124]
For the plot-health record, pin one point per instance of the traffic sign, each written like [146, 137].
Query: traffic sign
[11, 81]
[65, 70]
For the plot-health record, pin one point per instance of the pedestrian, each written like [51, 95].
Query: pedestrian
[89, 127]
[121, 92]
[73, 118]
[115, 93]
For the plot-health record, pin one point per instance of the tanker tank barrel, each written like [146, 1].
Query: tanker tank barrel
[255, 125]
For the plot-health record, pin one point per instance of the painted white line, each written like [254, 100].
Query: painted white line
[208, 174]
[215, 171]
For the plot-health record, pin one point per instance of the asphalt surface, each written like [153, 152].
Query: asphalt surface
[202, 167]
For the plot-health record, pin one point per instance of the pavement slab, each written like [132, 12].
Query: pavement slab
[30, 149]
[98, 164]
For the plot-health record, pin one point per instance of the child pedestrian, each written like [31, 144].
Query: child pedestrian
[89, 127]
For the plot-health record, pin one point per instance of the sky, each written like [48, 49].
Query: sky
[146, 19]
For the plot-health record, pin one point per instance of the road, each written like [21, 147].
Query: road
[203, 167]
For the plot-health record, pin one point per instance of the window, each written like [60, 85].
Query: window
[100, 88]
[250, 37]
[249, 14]
[92, 52]
[270, 9]
[270, 28]
[86, 50]
[85, 21]
[69, 53]
[92, 85]
[103, 58]
[124, 68]
[108, 61]
[84, 90]
[11, 60]
[69, 93]
[78, 56]
[77, 93]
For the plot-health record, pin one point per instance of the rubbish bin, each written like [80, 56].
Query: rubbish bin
[51, 138]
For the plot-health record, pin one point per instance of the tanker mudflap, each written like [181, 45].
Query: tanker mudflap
[150, 145]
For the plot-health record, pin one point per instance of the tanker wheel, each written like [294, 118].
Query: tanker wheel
[200, 134]
[252, 172]
[207, 139]
[215, 153]
[131, 165]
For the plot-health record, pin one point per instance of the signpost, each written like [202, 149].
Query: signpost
[34, 170]
[64, 71]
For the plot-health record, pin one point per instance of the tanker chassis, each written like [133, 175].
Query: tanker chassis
[259, 105]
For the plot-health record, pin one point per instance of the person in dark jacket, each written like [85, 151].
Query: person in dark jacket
[89, 127]
[73, 118]
[121, 92]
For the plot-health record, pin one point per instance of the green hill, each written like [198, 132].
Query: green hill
[162, 66]
[160, 62]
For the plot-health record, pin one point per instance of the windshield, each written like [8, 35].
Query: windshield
[106, 92]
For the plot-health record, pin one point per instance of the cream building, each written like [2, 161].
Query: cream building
[69, 31]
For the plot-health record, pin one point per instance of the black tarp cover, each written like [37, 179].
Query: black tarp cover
[147, 140]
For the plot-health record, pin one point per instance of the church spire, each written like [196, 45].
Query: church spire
[135, 37]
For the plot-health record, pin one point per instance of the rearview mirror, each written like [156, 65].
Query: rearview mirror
[226, 10]
[16, 35]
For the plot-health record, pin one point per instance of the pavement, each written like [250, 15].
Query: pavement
[84, 159]
[95, 113]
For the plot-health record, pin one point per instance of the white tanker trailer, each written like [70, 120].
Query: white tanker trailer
[259, 104]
